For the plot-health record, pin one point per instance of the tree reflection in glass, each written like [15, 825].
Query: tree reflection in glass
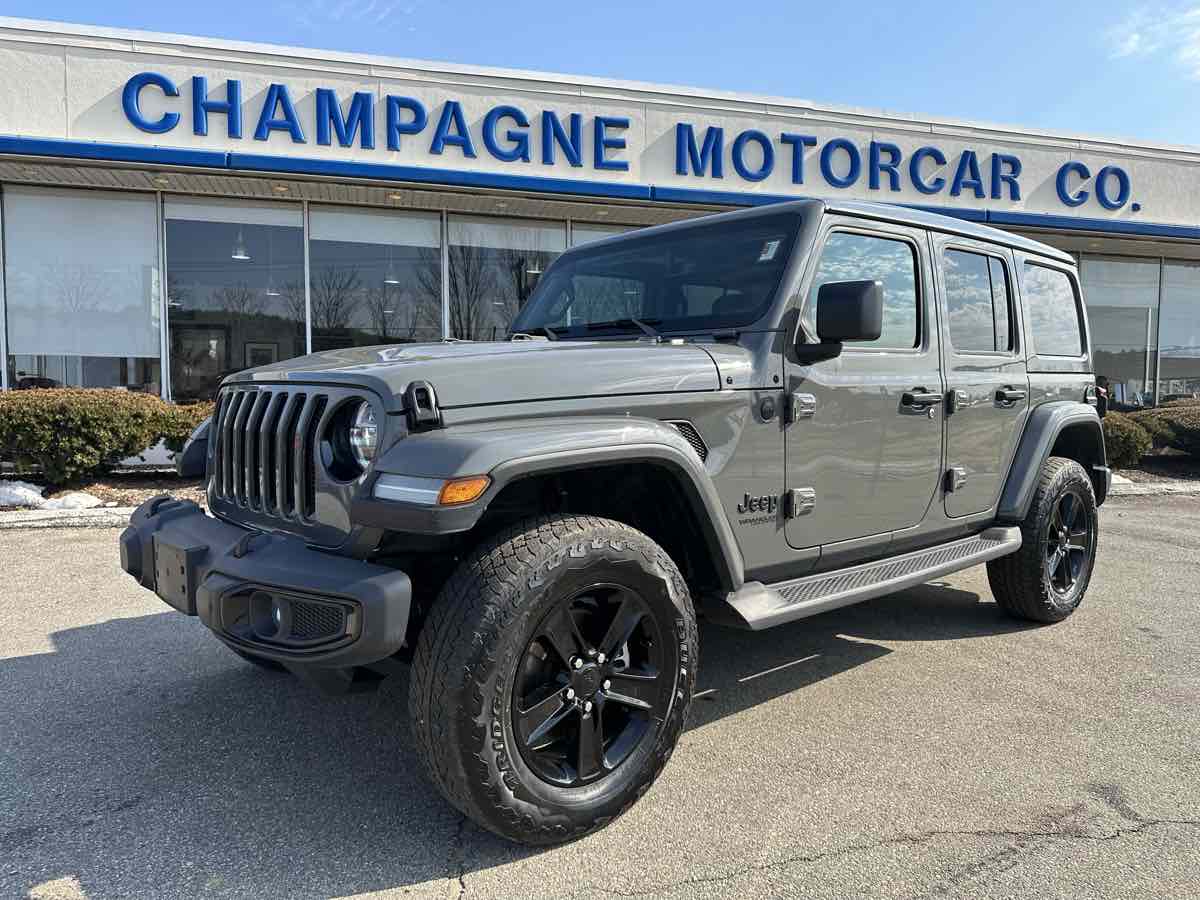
[494, 265]
[375, 277]
[226, 311]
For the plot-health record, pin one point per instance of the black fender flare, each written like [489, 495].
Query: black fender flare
[1042, 430]
[520, 449]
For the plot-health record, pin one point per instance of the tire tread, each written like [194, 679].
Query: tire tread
[1017, 580]
[462, 628]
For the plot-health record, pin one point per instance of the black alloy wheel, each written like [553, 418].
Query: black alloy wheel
[552, 677]
[590, 687]
[1046, 579]
[1069, 541]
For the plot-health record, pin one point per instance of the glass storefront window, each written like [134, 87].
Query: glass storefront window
[1122, 304]
[235, 289]
[82, 286]
[375, 277]
[1179, 347]
[586, 232]
[494, 266]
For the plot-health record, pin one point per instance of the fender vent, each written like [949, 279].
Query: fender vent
[692, 436]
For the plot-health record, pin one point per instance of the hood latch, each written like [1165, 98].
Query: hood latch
[421, 406]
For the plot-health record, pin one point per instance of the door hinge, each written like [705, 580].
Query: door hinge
[956, 400]
[800, 502]
[956, 477]
[800, 406]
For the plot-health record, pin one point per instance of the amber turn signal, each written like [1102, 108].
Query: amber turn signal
[463, 490]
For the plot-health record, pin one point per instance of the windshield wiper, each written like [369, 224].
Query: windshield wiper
[549, 331]
[643, 324]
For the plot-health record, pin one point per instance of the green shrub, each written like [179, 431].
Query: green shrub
[1126, 441]
[68, 433]
[1175, 425]
[1184, 422]
[178, 422]
[1156, 426]
[71, 433]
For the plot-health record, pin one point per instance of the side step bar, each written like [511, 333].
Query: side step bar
[762, 606]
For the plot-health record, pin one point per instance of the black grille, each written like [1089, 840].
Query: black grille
[692, 436]
[264, 457]
[315, 621]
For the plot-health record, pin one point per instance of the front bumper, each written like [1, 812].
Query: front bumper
[267, 594]
[1103, 483]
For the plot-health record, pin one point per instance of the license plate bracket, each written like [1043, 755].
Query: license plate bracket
[175, 573]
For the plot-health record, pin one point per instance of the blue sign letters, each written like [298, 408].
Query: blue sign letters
[701, 151]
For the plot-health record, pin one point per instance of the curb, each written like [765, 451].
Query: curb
[1175, 488]
[100, 517]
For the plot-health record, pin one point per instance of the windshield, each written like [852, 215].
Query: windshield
[705, 278]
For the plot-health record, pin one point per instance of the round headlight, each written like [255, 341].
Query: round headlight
[364, 435]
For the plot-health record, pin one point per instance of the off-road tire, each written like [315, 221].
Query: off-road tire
[268, 665]
[465, 663]
[1020, 581]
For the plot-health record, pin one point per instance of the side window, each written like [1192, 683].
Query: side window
[1002, 304]
[977, 302]
[1053, 312]
[862, 257]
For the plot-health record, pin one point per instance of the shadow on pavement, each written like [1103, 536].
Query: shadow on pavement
[740, 669]
[144, 759]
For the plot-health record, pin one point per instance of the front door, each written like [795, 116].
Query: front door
[987, 387]
[870, 451]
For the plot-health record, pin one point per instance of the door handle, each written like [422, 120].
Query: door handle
[1007, 396]
[920, 398]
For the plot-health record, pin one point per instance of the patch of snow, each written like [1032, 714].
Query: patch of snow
[72, 500]
[21, 493]
[156, 457]
[1120, 479]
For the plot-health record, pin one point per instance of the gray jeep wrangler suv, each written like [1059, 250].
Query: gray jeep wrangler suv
[759, 416]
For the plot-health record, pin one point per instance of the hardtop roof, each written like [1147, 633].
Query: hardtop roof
[890, 212]
[883, 212]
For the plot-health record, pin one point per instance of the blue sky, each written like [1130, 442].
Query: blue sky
[1066, 65]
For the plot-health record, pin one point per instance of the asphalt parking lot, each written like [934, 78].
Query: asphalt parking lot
[916, 745]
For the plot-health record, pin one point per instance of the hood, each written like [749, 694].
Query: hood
[466, 373]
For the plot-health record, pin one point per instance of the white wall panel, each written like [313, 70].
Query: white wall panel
[37, 98]
[31, 90]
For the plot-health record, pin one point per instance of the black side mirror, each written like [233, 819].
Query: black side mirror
[850, 311]
[846, 311]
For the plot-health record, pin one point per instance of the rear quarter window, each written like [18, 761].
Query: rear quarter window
[1053, 304]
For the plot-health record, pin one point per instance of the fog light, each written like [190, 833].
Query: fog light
[269, 614]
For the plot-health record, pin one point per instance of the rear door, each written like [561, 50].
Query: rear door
[984, 362]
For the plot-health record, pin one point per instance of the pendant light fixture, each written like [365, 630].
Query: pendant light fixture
[239, 248]
[272, 291]
[390, 277]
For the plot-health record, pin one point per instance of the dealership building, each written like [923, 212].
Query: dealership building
[177, 208]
